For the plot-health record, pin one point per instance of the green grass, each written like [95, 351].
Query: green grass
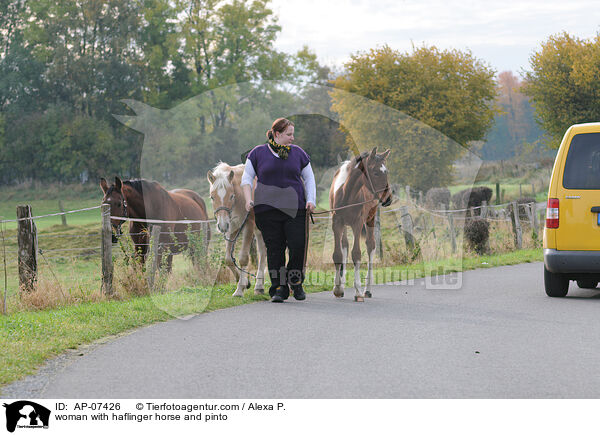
[29, 338]
[8, 211]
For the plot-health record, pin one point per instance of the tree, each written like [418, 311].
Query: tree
[431, 92]
[563, 83]
[514, 125]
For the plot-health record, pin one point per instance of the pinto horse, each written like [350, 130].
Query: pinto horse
[358, 187]
[229, 209]
[144, 199]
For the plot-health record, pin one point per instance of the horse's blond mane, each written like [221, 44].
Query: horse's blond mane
[221, 174]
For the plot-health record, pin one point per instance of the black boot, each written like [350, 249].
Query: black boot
[299, 294]
[280, 293]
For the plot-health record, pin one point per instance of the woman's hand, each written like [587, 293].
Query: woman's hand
[310, 207]
[249, 205]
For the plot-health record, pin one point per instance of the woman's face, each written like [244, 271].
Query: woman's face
[286, 137]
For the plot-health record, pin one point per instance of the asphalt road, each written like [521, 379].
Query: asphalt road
[499, 336]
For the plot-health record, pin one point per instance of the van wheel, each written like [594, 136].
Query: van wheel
[557, 286]
[587, 283]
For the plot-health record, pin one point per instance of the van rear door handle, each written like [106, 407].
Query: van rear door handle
[596, 209]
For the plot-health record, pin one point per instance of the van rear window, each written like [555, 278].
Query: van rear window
[582, 169]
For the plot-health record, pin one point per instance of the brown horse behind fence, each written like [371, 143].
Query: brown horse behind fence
[358, 187]
[144, 199]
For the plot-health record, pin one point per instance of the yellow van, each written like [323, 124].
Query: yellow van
[572, 230]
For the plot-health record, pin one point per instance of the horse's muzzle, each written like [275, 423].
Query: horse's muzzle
[387, 201]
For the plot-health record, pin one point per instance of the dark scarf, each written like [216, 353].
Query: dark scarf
[281, 150]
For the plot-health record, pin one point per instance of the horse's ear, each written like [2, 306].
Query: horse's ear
[359, 163]
[118, 184]
[385, 154]
[103, 185]
[210, 176]
[230, 177]
[373, 153]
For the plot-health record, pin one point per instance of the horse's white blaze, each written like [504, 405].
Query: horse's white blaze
[342, 176]
[221, 191]
[383, 168]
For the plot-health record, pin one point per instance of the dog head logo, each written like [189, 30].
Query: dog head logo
[26, 414]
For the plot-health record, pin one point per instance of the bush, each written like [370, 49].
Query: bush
[477, 234]
[436, 197]
[473, 197]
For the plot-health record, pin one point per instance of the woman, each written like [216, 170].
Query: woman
[285, 191]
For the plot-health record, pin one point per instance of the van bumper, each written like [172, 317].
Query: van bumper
[572, 261]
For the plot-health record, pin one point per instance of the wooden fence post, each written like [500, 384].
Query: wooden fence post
[484, 209]
[107, 263]
[534, 220]
[27, 240]
[377, 234]
[407, 228]
[408, 197]
[154, 245]
[63, 217]
[498, 194]
[517, 226]
[451, 228]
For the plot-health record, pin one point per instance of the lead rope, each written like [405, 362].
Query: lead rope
[233, 240]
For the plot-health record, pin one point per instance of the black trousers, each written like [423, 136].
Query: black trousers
[281, 231]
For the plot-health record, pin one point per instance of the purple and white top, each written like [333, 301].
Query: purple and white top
[282, 183]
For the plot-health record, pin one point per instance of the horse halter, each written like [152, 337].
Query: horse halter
[124, 204]
[218, 209]
[375, 192]
[229, 210]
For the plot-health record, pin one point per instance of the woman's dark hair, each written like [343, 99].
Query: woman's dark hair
[279, 126]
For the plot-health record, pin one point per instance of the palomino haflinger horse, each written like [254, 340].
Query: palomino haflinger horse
[144, 199]
[358, 187]
[229, 208]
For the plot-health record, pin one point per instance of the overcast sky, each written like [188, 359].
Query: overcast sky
[503, 33]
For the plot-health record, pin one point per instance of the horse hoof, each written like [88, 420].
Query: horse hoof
[359, 299]
[368, 294]
[238, 294]
[338, 293]
[259, 291]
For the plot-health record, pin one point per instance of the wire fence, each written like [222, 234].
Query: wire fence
[399, 229]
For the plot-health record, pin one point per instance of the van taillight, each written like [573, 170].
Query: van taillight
[552, 213]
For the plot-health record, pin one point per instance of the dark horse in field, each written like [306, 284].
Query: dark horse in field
[358, 187]
[144, 199]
